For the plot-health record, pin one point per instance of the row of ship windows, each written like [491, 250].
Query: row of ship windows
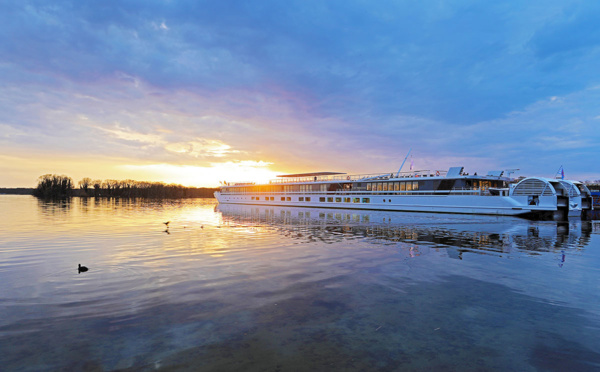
[393, 186]
[321, 199]
[360, 186]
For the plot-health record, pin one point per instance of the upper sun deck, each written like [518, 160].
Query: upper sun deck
[338, 177]
[343, 177]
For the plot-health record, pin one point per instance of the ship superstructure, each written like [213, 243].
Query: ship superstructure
[451, 191]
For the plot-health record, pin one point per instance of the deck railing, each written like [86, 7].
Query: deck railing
[361, 177]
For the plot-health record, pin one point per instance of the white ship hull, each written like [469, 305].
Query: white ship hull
[467, 204]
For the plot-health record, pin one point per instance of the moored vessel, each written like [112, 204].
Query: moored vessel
[452, 191]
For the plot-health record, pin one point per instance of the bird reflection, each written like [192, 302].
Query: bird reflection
[562, 259]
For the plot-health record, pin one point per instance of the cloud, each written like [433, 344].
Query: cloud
[161, 26]
[9, 132]
[201, 147]
[302, 85]
[462, 63]
[129, 135]
[572, 34]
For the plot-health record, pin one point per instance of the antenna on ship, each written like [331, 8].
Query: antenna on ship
[397, 174]
[511, 171]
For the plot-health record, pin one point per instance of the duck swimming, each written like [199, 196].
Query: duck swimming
[82, 269]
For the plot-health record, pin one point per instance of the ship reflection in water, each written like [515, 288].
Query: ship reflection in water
[443, 292]
[454, 234]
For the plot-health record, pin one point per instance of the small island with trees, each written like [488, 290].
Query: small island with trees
[52, 186]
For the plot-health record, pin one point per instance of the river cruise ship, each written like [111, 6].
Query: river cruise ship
[452, 191]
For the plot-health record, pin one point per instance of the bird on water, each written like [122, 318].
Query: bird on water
[167, 223]
[82, 269]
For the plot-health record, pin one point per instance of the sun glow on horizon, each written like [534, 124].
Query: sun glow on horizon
[211, 176]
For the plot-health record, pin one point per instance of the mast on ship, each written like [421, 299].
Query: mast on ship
[397, 174]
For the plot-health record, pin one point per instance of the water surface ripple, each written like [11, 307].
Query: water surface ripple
[291, 289]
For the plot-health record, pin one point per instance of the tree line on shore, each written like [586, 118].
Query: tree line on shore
[60, 186]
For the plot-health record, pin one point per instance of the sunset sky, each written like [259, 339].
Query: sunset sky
[195, 92]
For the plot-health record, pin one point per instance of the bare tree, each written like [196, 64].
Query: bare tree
[54, 186]
[85, 184]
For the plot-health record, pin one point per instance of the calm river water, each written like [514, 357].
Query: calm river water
[243, 288]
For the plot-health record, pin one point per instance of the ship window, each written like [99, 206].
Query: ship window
[384, 185]
[368, 187]
[390, 186]
[346, 200]
[402, 186]
[415, 185]
[366, 200]
[396, 186]
[321, 199]
[533, 186]
[288, 198]
[301, 198]
[329, 199]
[283, 198]
[272, 198]
[408, 186]
[356, 200]
[308, 198]
[338, 200]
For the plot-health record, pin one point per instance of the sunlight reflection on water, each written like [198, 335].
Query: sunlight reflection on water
[267, 288]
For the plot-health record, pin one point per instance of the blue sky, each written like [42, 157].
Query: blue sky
[195, 92]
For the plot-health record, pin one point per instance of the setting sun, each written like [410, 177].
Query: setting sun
[187, 175]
